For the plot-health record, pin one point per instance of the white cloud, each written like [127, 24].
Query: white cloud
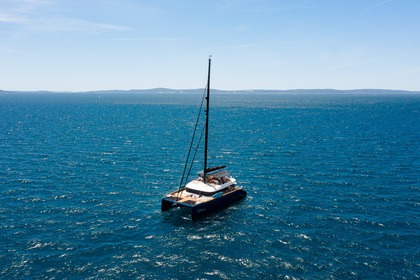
[13, 18]
[377, 6]
[152, 39]
[72, 24]
[37, 15]
[4, 50]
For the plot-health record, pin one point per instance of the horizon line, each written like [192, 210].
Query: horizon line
[219, 90]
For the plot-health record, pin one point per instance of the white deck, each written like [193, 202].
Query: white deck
[209, 187]
[183, 196]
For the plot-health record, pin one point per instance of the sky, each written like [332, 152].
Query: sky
[83, 45]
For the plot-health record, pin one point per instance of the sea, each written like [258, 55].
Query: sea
[333, 183]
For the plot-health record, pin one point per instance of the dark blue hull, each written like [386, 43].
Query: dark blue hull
[206, 208]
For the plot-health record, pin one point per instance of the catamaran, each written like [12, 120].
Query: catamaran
[214, 188]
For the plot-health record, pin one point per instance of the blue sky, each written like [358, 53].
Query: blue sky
[84, 45]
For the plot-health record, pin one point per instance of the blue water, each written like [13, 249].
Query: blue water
[333, 187]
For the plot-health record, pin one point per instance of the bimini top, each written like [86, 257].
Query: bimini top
[217, 171]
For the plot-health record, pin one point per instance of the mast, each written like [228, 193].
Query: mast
[207, 123]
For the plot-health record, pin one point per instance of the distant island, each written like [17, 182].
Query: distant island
[217, 91]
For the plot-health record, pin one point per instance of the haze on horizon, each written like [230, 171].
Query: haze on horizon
[59, 45]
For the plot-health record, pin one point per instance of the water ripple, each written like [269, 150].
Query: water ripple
[332, 188]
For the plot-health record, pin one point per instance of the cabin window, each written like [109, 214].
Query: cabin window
[201, 192]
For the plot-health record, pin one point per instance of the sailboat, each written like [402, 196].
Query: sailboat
[213, 189]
